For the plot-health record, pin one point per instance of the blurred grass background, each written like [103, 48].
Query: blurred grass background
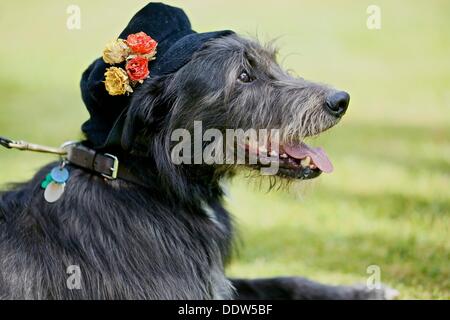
[388, 202]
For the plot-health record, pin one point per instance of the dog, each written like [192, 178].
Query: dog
[169, 237]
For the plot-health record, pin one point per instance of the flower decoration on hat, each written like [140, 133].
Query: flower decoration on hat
[136, 51]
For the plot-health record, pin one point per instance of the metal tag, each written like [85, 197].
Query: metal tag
[54, 191]
[59, 174]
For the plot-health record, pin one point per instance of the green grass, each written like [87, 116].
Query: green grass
[388, 202]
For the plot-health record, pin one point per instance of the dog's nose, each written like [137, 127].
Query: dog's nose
[337, 103]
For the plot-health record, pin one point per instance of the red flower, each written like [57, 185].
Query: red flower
[141, 43]
[137, 68]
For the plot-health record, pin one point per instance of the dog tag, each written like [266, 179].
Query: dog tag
[54, 191]
[47, 181]
[59, 175]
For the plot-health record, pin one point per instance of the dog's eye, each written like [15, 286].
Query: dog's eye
[244, 77]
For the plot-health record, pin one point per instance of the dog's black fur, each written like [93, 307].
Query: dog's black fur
[170, 239]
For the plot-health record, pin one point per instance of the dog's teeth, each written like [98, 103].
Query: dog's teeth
[306, 162]
[284, 156]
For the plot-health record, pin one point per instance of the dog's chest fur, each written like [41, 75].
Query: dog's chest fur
[127, 242]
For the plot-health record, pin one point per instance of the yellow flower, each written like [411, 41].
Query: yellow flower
[116, 52]
[117, 82]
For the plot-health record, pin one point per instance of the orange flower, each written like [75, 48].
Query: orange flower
[141, 43]
[137, 68]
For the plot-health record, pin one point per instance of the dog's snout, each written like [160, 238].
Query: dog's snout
[337, 103]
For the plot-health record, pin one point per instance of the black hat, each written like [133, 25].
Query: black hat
[177, 42]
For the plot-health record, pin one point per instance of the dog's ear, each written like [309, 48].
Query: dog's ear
[144, 110]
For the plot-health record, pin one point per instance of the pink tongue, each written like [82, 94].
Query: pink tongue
[317, 155]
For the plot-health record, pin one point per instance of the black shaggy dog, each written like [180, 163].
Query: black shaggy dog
[169, 236]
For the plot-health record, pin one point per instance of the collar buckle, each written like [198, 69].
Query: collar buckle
[114, 169]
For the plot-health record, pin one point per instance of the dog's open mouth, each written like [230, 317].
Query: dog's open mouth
[296, 159]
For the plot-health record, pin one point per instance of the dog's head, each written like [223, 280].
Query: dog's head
[234, 83]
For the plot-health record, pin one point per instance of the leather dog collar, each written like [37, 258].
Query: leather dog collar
[77, 154]
[104, 164]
